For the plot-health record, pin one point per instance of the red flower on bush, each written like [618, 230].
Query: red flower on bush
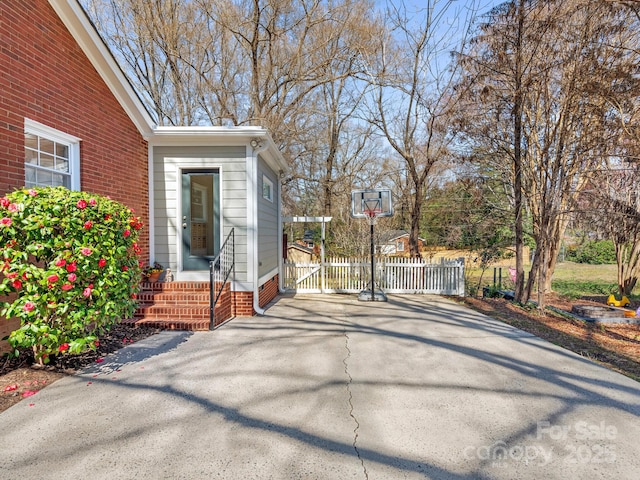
[125, 268]
[66, 287]
[107, 217]
[32, 192]
[72, 277]
[64, 347]
[86, 292]
[72, 267]
[88, 224]
[53, 278]
[82, 204]
[29, 306]
[17, 284]
[13, 207]
[93, 202]
[135, 223]
[6, 221]
[5, 202]
[61, 262]
[11, 275]
[102, 263]
[126, 233]
[85, 251]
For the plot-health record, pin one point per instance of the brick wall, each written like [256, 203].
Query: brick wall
[45, 77]
[223, 310]
[243, 302]
[268, 291]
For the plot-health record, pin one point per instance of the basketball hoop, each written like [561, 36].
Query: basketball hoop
[371, 204]
[371, 215]
[371, 209]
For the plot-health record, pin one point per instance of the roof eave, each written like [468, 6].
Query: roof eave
[227, 136]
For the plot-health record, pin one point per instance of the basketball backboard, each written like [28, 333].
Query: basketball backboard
[368, 203]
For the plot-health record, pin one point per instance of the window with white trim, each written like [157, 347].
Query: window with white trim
[51, 157]
[267, 188]
[400, 246]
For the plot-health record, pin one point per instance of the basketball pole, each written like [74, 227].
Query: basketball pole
[371, 204]
[373, 271]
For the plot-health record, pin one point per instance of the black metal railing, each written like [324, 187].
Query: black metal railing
[220, 268]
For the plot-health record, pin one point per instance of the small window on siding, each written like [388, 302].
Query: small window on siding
[267, 188]
[51, 157]
[400, 246]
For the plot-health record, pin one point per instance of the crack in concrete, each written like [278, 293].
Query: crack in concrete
[355, 430]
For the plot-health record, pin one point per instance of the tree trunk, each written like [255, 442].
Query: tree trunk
[414, 234]
[532, 277]
[517, 162]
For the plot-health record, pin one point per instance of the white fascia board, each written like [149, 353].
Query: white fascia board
[83, 31]
[207, 133]
[221, 136]
[306, 219]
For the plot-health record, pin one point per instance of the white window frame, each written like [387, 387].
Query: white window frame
[267, 188]
[41, 130]
[399, 246]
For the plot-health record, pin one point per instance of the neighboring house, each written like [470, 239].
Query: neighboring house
[66, 103]
[297, 253]
[395, 243]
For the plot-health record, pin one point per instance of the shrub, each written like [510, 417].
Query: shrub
[71, 261]
[594, 253]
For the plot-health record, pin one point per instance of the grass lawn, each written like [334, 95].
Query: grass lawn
[571, 279]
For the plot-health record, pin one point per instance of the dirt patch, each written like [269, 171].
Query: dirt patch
[20, 379]
[616, 346]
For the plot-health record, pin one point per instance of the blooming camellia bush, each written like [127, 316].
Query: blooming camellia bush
[70, 259]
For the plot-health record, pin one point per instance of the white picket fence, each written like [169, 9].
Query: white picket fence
[393, 275]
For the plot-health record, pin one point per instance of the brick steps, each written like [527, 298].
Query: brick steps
[178, 306]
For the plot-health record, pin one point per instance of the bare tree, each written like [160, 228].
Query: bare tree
[288, 65]
[164, 48]
[543, 71]
[614, 209]
[413, 102]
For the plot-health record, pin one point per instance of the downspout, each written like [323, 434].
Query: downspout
[280, 239]
[252, 223]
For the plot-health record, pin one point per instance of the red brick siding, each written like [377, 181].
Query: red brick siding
[243, 302]
[268, 291]
[223, 310]
[45, 76]
[7, 326]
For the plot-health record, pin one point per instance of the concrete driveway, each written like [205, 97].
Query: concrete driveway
[326, 387]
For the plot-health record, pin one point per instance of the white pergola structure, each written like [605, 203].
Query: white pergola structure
[323, 221]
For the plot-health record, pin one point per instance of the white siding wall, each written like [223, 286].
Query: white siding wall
[268, 253]
[167, 162]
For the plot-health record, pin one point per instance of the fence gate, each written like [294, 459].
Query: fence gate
[393, 275]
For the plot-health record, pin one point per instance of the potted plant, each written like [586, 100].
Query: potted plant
[153, 272]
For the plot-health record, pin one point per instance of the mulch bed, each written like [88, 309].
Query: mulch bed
[21, 378]
[616, 346]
